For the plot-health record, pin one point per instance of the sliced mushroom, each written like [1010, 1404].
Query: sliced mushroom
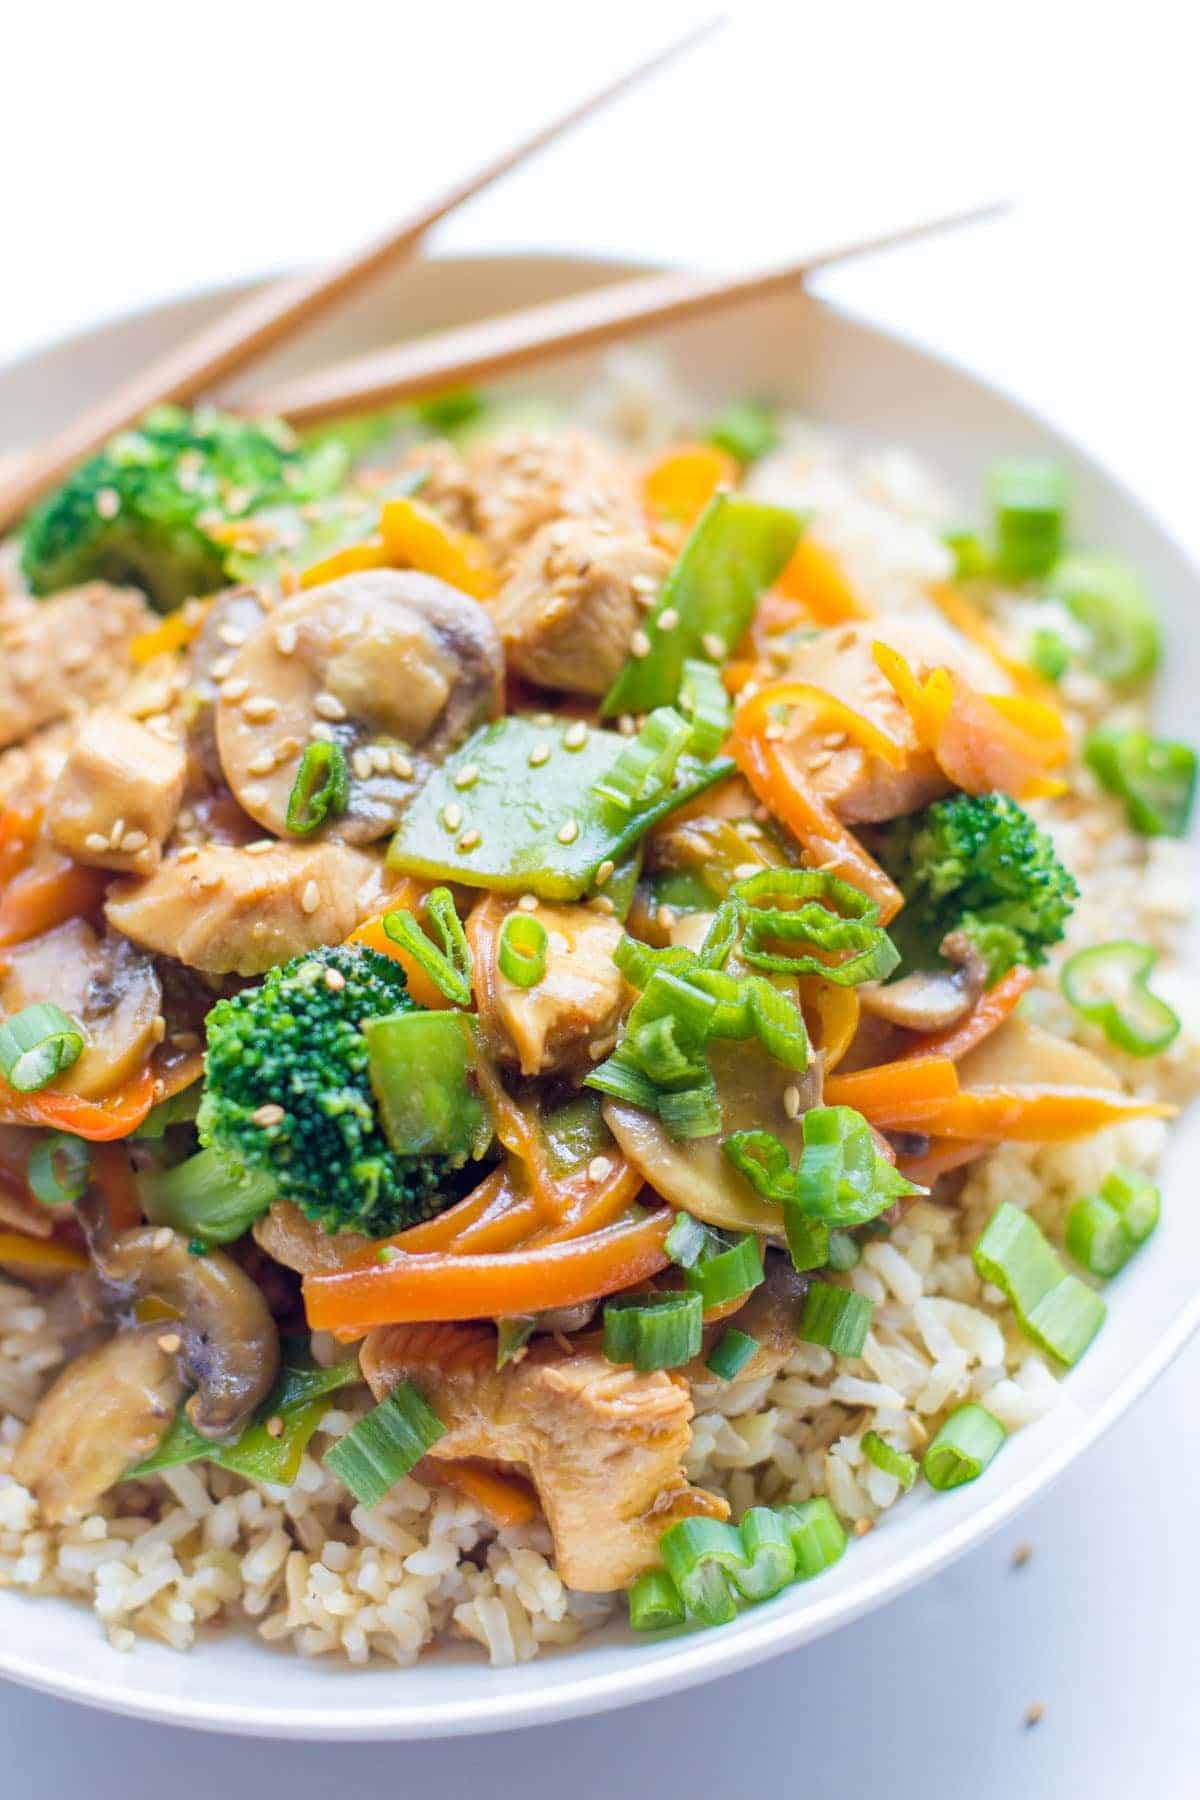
[393, 666]
[106, 1411]
[1021, 1054]
[102, 982]
[228, 1345]
[694, 1173]
[234, 616]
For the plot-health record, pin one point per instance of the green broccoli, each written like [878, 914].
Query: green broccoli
[978, 864]
[294, 1044]
[158, 507]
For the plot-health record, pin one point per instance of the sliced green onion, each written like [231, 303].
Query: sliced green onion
[688, 1240]
[836, 1317]
[963, 1448]
[522, 950]
[662, 1332]
[58, 1168]
[1104, 1229]
[693, 1112]
[654, 1603]
[205, 1197]
[769, 1552]
[807, 1240]
[646, 766]
[830, 916]
[1109, 601]
[747, 429]
[897, 1463]
[1155, 777]
[728, 1274]
[700, 1554]
[321, 789]
[1058, 1311]
[385, 1445]
[512, 1335]
[705, 703]
[971, 555]
[421, 1067]
[1135, 1197]
[731, 1352]
[450, 968]
[1108, 985]
[844, 1252]
[1049, 653]
[818, 1536]
[37, 1044]
[1029, 502]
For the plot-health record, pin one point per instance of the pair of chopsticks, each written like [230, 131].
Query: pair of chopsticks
[519, 339]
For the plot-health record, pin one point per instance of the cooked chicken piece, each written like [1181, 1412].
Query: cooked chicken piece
[604, 1446]
[572, 603]
[115, 802]
[396, 667]
[28, 771]
[859, 787]
[568, 1019]
[1020, 1053]
[103, 983]
[106, 1411]
[522, 480]
[229, 911]
[64, 653]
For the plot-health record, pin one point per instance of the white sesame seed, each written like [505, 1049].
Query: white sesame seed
[666, 918]
[469, 840]
[791, 1101]
[335, 981]
[260, 846]
[750, 831]
[568, 831]
[639, 644]
[527, 903]
[108, 503]
[538, 755]
[744, 870]
[773, 731]
[270, 1114]
[328, 706]
[714, 645]
[233, 635]
[452, 816]
[222, 667]
[361, 763]
[261, 763]
[310, 899]
[604, 872]
[188, 853]
[668, 619]
[323, 733]
[467, 776]
[117, 833]
[380, 758]
[259, 709]
[158, 1028]
[169, 1343]
[401, 766]
[96, 842]
[602, 904]
[600, 1168]
[285, 639]
[162, 1239]
[235, 689]
[575, 736]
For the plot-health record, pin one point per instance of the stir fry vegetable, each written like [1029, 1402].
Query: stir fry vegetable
[1108, 984]
[1155, 777]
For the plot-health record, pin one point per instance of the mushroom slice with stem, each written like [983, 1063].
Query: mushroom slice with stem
[930, 999]
[102, 982]
[394, 667]
[106, 1411]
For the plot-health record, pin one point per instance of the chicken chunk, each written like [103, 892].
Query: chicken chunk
[568, 1019]
[115, 802]
[522, 480]
[859, 787]
[572, 602]
[64, 653]
[230, 911]
[604, 1446]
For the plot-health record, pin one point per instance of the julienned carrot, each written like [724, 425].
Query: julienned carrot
[873, 1092]
[47, 1255]
[409, 1289]
[113, 1176]
[814, 576]
[114, 1116]
[175, 632]
[827, 842]
[507, 1499]
[683, 479]
[406, 897]
[825, 711]
[596, 1204]
[415, 537]
[40, 898]
[1024, 1115]
[371, 553]
[18, 834]
[989, 1011]
[967, 618]
[943, 1155]
[439, 1233]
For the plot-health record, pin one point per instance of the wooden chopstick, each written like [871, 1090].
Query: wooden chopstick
[258, 324]
[520, 339]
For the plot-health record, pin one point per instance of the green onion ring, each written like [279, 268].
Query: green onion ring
[522, 950]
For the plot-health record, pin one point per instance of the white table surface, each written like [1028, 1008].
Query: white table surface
[1085, 301]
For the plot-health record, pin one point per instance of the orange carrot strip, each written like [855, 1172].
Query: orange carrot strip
[409, 1289]
[372, 553]
[175, 632]
[114, 1116]
[927, 702]
[113, 1175]
[415, 537]
[913, 1081]
[1019, 1114]
[407, 897]
[814, 576]
[599, 1204]
[439, 1233]
[990, 1010]
[943, 1155]
[825, 710]
[45, 896]
[682, 481]
[967, 618]
[506, 1225]
[18, 834]
[835, 1012]
[45, 1254]
[507, 1499]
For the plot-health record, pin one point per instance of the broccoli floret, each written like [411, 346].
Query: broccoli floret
[159, 506]
[294, 1043]
[978, 864]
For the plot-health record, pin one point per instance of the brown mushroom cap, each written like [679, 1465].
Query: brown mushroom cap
[395, 667]
[105, 984]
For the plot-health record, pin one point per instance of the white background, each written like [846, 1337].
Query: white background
[145, 149]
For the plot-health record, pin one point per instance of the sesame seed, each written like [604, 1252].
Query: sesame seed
[527, 903]
[323, 733]
[158, 1028]
[222, 667]
[1021, 1555]
[361, 763]
[108, 503]
[162, 1239]
[310, 899]
[568, 831]
[270, 1114]
[186, 819]
[401, 766]
[188, 853]
[713, 645]
[600, 1168]
[169, 1343]
[259, 847]
[627, 725]
[467, 776]
[285, 639]
[380, 758]
[261, 763]
[863, 1526]
[668, 620]
[604, 872]
[274, 1426]
[328, 706]
[538, 755]
[1035, 1712]
[235, 689]
[452, 816]
[602, 904]
[469, 840]
[791, 1101]
[773, 731]
[233, 635]
[158, 1089]
[750, 831]
[575, 736]
[96, 842]
[666, 918]
[639, 644]
[287, 747]
[744, 870]
[259, 708]
[335, 981]
[117, 833]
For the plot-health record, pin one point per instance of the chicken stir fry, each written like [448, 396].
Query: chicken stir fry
[499, 933]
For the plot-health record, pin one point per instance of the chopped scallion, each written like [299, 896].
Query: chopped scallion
[687, 1240]
[818, 1536]
[654, 1603]
[885, 1456]
[770, 1555]
[836, 1317]
[662, 1332]
[1058, 1311]
[731, 1352]
[700, 1554]
[321, 789]
[37, 1044]
[727, 1274]
[449, 968]
[963, 1448]
[58, 1168]
[1029, 500]
[844, 1253]
[385, 1445]
[522, 949]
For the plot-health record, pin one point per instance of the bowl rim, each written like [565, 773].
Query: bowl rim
[698, 1657]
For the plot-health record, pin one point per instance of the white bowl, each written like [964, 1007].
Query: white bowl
[870, 385]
